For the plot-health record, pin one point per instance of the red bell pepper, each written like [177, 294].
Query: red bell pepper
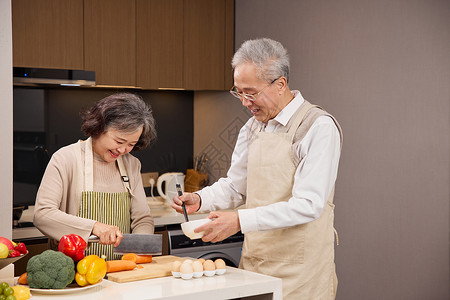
[14, 253]
[21, 248]
[73, 246]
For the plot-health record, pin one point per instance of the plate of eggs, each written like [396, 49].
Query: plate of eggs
[190, 268]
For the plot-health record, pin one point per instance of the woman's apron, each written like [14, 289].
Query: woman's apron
[302, 255]
[108, 208]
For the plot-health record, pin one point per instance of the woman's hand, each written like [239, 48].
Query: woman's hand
[107, 234]
[191, 201]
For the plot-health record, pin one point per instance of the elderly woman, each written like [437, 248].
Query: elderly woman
[94, 187]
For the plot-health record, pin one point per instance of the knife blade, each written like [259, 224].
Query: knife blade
[142, 244]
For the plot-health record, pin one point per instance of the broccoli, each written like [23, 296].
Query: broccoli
[50, 270]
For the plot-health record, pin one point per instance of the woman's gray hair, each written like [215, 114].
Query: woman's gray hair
[124, 112]
[269, 57]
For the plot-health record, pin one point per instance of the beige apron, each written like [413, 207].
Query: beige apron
[107, 208]
[302, 255]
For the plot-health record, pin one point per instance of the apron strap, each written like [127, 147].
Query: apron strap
[304, 108]
[89, 169]
[88, 166]
[123, 175]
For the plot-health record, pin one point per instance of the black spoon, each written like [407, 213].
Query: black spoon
[180, 193]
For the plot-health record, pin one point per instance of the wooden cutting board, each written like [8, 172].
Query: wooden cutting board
[159, 267]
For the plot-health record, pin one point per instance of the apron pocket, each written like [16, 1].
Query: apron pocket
[266, 245]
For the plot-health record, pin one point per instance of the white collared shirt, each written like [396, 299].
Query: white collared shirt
[314, 178]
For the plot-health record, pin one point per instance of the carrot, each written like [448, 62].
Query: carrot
[23, 279]
[119, 265]
[130, 257]
[139, 259]
[144, 259]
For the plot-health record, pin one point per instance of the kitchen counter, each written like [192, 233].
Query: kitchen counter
[235, 283]
[163, 214]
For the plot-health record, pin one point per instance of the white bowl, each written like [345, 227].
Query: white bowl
[188, 228]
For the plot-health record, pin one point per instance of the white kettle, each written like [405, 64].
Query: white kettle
[170, 190]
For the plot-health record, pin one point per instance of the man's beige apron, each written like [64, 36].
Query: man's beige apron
[303, 255]
[107, 208]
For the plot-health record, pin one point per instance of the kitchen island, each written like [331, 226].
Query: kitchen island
[235, 283]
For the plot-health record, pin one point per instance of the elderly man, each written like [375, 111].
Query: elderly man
[284, 168]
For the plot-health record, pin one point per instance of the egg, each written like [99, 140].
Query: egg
[220, 264]
[186, 271]
[186, 268]
[197, 266]
[209, 265]
[188, 261]
[176, 266]
[198, 269]
[202, 260]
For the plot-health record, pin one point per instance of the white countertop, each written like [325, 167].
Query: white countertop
[235, 283]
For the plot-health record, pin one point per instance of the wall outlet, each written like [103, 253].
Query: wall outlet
[146, 177]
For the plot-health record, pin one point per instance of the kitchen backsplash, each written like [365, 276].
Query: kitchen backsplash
[172, 110]
[218, 117]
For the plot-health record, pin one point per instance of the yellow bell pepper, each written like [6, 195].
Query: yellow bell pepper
[90, 270]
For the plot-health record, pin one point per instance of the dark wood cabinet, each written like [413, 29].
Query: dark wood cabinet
[151, 44]
[159, 44]
[48, 34]
[110, 41]
[206, 49]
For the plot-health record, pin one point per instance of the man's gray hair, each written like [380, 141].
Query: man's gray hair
[269, 57]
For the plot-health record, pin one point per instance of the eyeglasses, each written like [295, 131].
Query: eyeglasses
[250, 97]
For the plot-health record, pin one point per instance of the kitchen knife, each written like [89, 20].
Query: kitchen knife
[142, 244]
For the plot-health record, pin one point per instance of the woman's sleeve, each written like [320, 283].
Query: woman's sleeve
[55, 194]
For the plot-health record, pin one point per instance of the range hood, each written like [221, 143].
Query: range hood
[40, 76]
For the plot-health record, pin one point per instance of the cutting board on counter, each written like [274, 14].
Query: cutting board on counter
[159, 267]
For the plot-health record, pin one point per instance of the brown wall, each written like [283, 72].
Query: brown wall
[383, 69]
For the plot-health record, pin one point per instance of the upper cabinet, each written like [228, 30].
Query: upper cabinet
[110, 41]
[206, 49]
[48, 34]
[151, 44]
[159, 44]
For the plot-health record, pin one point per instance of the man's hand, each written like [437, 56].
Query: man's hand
[191, 201]
[224, 224]
[107, 234]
